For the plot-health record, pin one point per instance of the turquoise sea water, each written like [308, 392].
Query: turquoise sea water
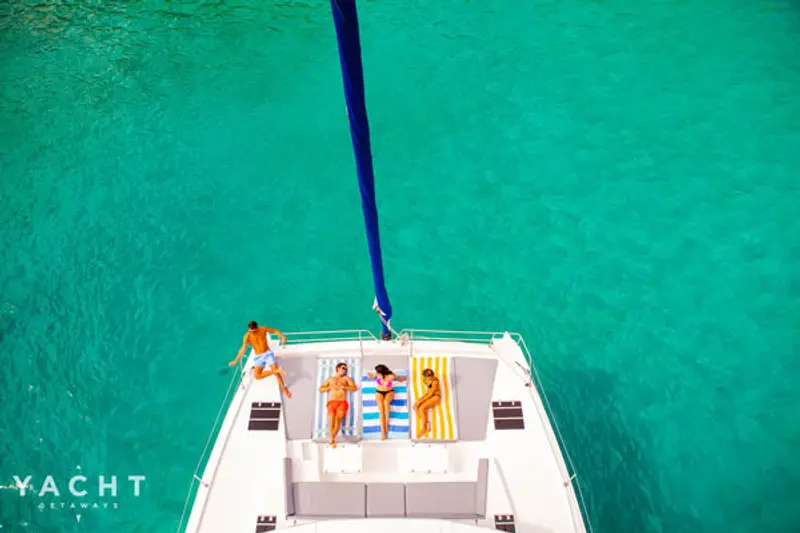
[616, 180]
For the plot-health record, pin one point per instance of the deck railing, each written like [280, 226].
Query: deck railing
[477, 337]
[487, 337]
[236, 382]
[304, 337]
[410, 335]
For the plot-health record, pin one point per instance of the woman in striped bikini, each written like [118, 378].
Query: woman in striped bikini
[384, 393]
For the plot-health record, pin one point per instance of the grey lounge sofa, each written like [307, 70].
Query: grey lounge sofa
[445, 500]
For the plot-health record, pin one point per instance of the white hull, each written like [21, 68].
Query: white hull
[512, 479]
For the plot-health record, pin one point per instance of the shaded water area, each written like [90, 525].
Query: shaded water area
[616, 181]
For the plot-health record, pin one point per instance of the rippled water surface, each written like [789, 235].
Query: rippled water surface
[615, 180]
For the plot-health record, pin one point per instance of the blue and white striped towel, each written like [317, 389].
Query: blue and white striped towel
[398, 413]
[350, 425]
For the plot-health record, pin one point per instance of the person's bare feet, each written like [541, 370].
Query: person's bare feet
[383, 436]
[332, 443]
[287, 393]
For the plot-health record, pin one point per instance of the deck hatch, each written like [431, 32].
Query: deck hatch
[507, 415]
[266, 523]
[505, 522]
[265, 416]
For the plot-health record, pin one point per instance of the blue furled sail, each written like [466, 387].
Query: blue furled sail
[345, 16]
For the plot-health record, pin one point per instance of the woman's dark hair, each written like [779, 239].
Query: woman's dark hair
[252, 325]
[427, 372]
[383, 370]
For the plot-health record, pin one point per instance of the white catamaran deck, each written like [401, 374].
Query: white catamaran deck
[496, 465]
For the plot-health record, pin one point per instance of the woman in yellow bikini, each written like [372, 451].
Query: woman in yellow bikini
[384, 394]
[429, 400]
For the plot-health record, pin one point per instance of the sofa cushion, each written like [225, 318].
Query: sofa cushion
[288, 485]
[322, 499]
[451, 499]
[482, 488]
[386, 500]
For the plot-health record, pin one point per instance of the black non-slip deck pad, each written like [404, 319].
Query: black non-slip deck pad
[505, 522]
[266, 523]
[507, 415]
[265, 416]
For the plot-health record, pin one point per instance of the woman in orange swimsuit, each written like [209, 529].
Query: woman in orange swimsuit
[384, 394]
[429, 400]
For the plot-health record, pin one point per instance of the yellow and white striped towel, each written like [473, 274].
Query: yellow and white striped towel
[444, 426]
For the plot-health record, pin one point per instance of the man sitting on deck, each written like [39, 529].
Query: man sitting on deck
[257, 337]
[337, 387]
